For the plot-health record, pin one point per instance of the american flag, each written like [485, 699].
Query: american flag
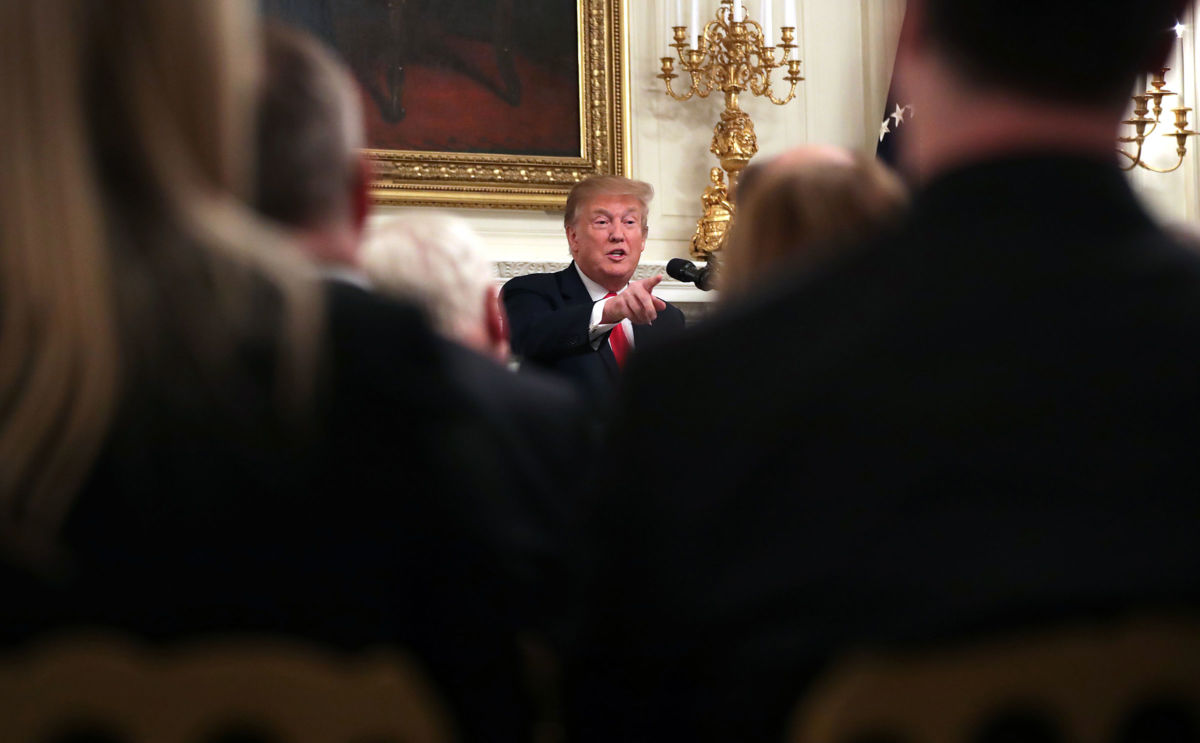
[896, 116]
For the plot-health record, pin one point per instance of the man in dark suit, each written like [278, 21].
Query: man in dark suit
[986, 420]
[582, 322]
[514, 443]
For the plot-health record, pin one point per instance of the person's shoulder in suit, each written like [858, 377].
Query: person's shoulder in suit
[546, 286]
[532, 281]
[425, 461]
[535, 442]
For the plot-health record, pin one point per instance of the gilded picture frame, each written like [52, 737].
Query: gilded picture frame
[526, 181]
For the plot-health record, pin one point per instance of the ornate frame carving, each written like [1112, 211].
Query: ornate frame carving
[450, 179]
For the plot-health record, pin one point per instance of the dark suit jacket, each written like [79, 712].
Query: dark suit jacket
[988, 419]
[549, 314]
[387, 515]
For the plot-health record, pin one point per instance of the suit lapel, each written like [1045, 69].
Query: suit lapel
[571, 286]
[574, 292]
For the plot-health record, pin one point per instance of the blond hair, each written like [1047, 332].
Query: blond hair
[436, 261]
[126, 130]
[607, 185]
[804, 208]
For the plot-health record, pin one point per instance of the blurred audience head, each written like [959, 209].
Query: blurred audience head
[126, 248]
[311, 176]
[1059, 51]
[803, 205]
[438, 262]
[993, 79]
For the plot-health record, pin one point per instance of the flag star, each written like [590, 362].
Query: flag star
[898, 114]
[884, 130]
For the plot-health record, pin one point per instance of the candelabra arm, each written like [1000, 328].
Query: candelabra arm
[677, 96]
[1171, 169]
[1133, 159]
[780, 101]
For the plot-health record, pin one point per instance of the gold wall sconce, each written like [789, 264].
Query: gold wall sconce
[730, 54]
[1144, 124]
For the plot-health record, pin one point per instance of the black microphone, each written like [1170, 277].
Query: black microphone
[684, 270]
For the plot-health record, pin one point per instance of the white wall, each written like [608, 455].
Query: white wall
[841, 102]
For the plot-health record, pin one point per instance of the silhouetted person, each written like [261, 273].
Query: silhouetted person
[528, 437]
[987, 419]
[196, 437]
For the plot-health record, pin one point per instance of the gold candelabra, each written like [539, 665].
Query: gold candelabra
[730, 56]
[1144, 125]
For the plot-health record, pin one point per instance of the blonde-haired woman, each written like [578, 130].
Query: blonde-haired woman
[194, 435]
[802, 207]
[126, 251]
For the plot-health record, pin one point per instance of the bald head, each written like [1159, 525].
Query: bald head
[804, 205]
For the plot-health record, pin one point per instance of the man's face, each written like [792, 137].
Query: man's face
[607, 239]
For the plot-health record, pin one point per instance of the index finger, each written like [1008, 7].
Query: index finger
[653, 281]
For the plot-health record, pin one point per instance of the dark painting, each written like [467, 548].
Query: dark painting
[471, 76]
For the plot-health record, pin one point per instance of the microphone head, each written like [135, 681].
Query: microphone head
[683, 270]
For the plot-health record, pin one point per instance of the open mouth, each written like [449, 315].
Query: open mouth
[617, 254]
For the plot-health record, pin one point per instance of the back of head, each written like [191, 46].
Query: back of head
[607, 185]
[436, 261]
[123, 232]
[1065, 51]
[801, 207]
[309, 131]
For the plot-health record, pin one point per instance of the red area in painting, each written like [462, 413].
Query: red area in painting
[447, 110]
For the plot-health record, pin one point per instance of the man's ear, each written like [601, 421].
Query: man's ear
[571, 238]
[496, 323]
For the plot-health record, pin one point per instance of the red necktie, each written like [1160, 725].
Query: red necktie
[617, 340]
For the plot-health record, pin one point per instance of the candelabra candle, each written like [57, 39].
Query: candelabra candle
[731, 54]
[1144, 124]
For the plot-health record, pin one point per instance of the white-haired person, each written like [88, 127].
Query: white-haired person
[195, 436]
[439, 263]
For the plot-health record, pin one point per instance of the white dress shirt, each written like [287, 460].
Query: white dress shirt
[596, 329]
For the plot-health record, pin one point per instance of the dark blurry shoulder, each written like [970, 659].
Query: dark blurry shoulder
[359, 315]
[529, 398]
[378, 342]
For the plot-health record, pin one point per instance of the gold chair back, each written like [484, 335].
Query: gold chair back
[1128, 682]
[105, 688]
